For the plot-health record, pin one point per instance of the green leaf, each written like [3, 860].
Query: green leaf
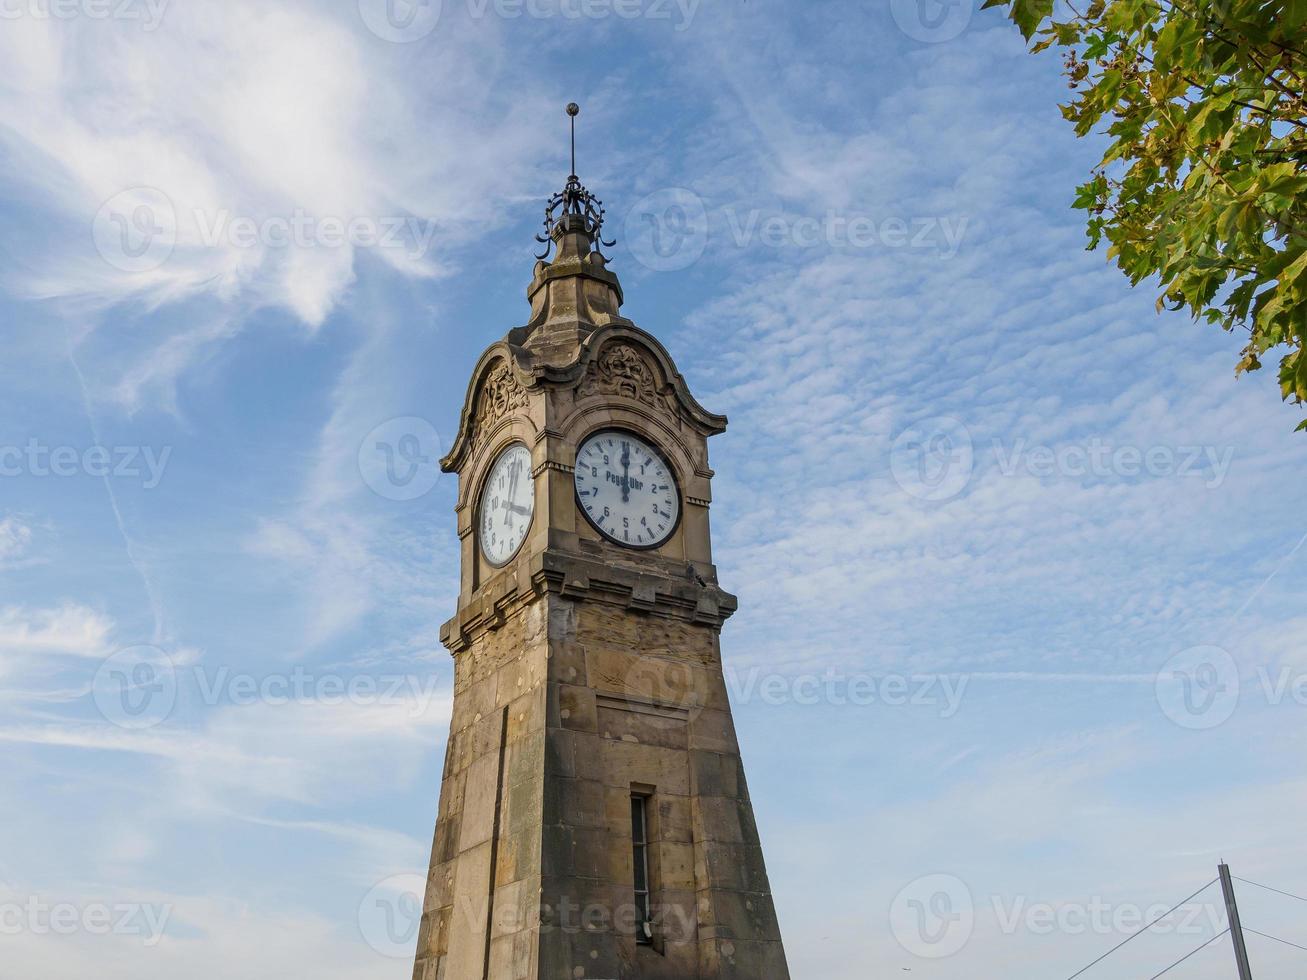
[1202, 184]
[1296, 269]
[1029, 14]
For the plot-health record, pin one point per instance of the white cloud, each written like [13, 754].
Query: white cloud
[823, 355]
[283, 118]
[249, 936]
[15, 539]
[242, 758]
[70, 630]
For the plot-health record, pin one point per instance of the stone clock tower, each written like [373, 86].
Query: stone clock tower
[594, 819]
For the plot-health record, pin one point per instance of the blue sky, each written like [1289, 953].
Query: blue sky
[991, 517]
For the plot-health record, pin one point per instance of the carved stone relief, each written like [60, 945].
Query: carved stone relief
[501, 394]
[622, 370]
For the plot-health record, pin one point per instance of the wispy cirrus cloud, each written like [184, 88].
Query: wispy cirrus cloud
[70, 630]
[833, 353]
[271, 366]
[247, 159]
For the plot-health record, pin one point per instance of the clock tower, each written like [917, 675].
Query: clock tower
[594, 820]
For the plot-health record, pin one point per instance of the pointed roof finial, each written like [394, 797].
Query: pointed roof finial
[574, 208]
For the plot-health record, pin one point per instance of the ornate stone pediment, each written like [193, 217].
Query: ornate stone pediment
[495, 393]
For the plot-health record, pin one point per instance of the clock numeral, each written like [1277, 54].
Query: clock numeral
[507, 505]
[624, 490]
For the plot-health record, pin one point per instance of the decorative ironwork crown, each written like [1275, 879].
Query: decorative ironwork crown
[574, 199]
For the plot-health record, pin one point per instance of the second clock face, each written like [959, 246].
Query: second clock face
[507, 503]
[626, 489]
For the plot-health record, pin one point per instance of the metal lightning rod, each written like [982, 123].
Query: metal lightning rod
[573, 110]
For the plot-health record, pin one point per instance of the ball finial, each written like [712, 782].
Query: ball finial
[573, 109]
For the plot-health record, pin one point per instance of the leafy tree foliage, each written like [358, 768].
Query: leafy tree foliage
[1204, 183]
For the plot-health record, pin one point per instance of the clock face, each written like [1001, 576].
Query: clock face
[627, 489]
[507, 503]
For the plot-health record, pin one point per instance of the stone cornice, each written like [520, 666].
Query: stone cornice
[549, 464]
[688, 599]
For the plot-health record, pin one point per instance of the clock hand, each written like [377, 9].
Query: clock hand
[626, 474]
[512, 484]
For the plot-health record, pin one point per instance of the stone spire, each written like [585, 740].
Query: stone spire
[575, 292]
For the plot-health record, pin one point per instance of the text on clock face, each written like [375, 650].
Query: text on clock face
[507, 504]
[626, 489]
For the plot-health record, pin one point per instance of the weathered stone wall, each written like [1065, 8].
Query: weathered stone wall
[559, 715]
[638, 703]
[485, 862]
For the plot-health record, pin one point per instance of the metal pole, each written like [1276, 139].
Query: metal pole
[1236, 928]
[573, 110]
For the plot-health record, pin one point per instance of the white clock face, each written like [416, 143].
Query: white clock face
[507, 503]
[626, 489]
